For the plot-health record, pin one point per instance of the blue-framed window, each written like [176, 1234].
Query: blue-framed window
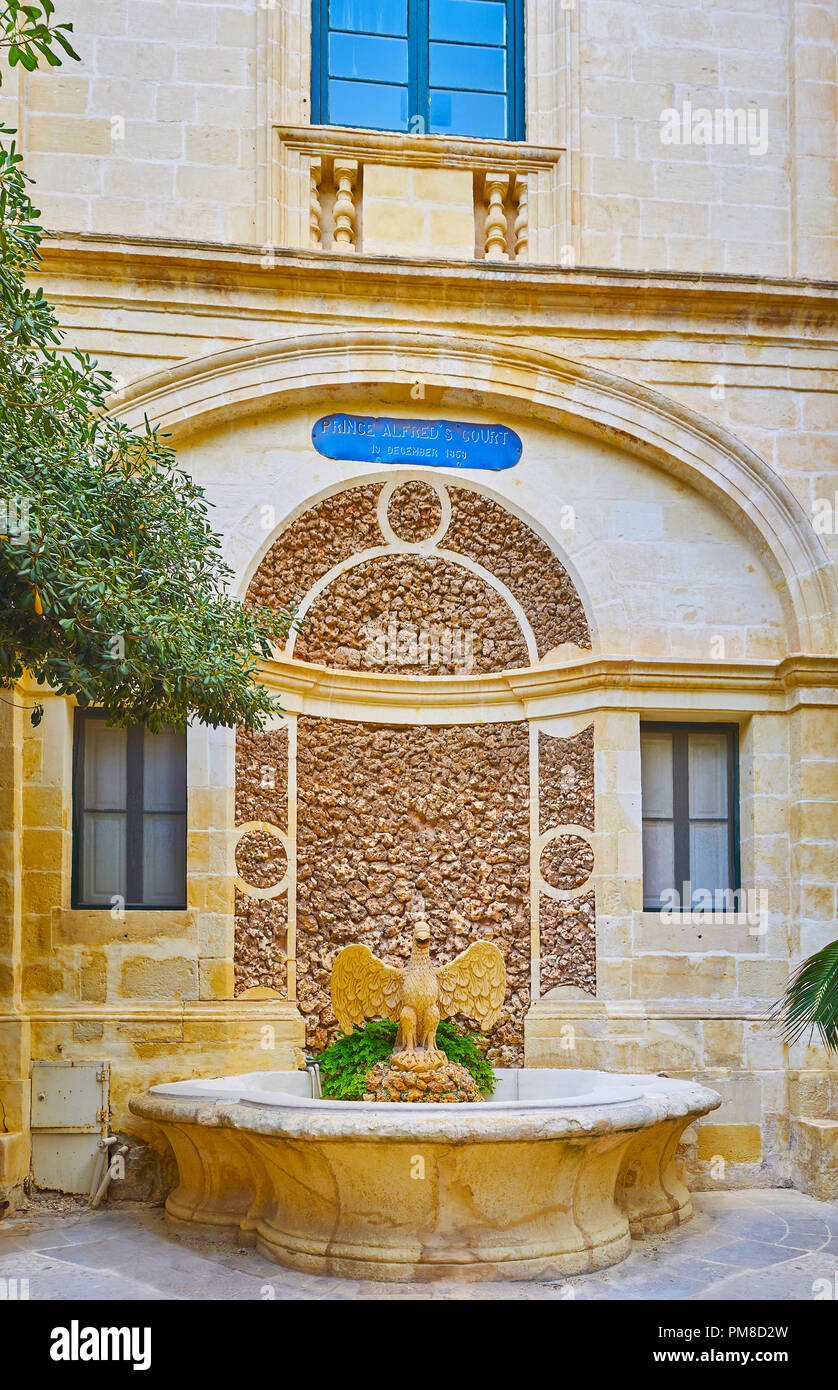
[438, 67]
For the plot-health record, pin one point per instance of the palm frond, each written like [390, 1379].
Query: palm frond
[811, 999]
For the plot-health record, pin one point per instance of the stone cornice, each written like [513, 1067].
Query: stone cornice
[737, 688]
[741, 688]
[251, 1012]
[299, 272]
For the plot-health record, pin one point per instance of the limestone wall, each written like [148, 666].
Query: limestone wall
[183, 120]
[665, 548]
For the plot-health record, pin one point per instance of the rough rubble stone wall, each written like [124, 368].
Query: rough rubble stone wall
[567, 929]
[484, 530]
[414, 512]
[568, 942]
[566, 862]
[261, 925]
[384, 812]
[412, 614]
[261, 943]
[566, 780]
[262, 777]
[336, 528]
[261, 859]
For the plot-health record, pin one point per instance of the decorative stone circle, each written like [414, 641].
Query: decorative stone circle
[415, 512]
[567, 862]
[260, 859]
[412, 1079]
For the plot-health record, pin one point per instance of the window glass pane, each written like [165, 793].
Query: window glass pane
[708, 774]
[356, 55]
[658, 859]
[370, 105]
[164, 860]
[709, 859]
[656, 774]
[469, 21]
[103, 867]
[468, 113]
[164, 771]
[468, 67]
[104, 766]
[369, 16]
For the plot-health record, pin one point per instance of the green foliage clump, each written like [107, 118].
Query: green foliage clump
[348, 1061]
[345, 1065]
[460, 1046]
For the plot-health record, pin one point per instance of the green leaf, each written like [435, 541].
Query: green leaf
[811, 1000]
[119, 536]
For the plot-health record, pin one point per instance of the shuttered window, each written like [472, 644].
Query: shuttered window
[690, 813]
[129, 815]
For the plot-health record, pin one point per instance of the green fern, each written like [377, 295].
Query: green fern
[348, 1061]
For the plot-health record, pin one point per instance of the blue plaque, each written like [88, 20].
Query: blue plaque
[440, 443]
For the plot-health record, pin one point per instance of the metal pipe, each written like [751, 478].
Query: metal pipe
[101, 1181]
[313, 1069]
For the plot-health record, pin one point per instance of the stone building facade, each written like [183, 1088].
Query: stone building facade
[482, 653]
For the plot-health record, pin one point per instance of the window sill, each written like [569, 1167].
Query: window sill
[395, 147]
[89, 926]
[693, 933]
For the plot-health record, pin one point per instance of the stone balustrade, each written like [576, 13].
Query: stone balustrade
[352, 191]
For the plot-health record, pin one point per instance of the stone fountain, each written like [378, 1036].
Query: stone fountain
[417, 997]
[552, 1175]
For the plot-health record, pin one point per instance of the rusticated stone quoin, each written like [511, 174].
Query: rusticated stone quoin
[509, 549]
[415, 512]
[261, 943]
[384, 812]
[412, 613]
[568, 942]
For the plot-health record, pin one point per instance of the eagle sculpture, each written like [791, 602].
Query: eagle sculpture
[418, 995]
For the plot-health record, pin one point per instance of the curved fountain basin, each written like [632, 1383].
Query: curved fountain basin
[537, 1088]
[552, 1176]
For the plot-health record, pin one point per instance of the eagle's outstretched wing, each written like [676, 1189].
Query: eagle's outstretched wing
[474, 984]
[364, 987]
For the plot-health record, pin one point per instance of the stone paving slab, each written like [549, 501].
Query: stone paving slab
[771, 1244]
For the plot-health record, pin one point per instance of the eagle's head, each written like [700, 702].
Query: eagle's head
[421, 934]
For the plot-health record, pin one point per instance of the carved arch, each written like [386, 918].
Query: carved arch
[499, 375]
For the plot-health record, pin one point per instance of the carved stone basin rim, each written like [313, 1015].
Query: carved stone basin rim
[515, 1189]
